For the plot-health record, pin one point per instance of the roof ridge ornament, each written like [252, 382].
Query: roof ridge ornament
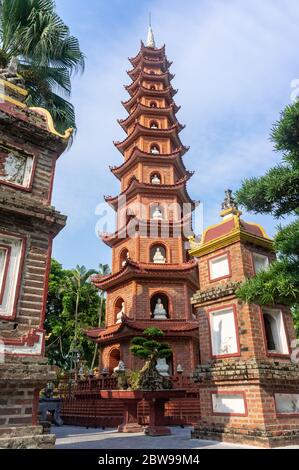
[229, 206]
[150, 35]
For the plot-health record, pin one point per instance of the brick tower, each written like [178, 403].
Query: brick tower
[29, 148]
[249, 387]
[152, 279]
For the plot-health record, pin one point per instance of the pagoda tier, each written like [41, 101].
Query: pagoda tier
[139, 130]
[136, 187]
[143, 92]
[143, 110]
[139, 156]
[164, 78]
[143, 228]
[149, 271]
[147, 52]
[146, 62]
[130, 328]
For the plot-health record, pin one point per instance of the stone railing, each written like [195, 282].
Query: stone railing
[68, 389]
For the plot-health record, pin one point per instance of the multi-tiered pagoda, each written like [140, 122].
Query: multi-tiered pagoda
[152, 278]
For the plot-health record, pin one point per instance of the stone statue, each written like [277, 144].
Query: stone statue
[162, 367]
[126, 260]
[229, 201]
[12, 67]
[158, 257]
[120, 368]
[160, 312]
[156, 179]
[121, 314]
[157, 214]
[155, 150]
[10, 73]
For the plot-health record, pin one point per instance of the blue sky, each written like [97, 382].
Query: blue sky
[233, 60]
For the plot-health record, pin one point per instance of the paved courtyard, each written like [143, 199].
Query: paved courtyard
[72, 437]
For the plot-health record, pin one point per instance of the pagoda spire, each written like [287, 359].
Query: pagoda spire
[150, 35]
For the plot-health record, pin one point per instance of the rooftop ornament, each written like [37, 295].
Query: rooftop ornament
[150, 35]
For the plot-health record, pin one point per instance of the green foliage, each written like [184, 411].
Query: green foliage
[73, 306]
[277, 193]
[32, 31]
[133, 379]
[148, 348]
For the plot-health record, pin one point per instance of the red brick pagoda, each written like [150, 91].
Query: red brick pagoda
[152, 278]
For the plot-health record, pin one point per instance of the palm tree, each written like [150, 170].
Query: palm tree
[104, 270]
[48, 55]
[76, 282]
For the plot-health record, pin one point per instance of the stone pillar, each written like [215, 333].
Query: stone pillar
[29, 148]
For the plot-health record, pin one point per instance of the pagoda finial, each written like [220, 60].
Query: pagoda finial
[150, 35]
[229, 206]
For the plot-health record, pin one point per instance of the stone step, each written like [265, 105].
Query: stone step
[20, 431]
[36, 441]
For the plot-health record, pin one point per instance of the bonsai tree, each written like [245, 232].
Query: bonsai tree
[149, 348]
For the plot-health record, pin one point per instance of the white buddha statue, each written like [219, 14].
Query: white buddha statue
[155, 150]
[120, 368]
[162, 367]
[158, 257]
[156, 179]
[160, 312]
[126, 259]
[157, 214]
[121, 313]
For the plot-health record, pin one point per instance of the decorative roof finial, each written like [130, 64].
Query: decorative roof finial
[150, 35]
[229, 201]
[229, 206]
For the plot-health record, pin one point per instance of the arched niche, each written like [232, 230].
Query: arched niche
[154, 124]
[157, 211]
[157, 299]
[113, 360]
[155, 149]
[119, 309]
[158, 254]
[123, 257]
[155, 178]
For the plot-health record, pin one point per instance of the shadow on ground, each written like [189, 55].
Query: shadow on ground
[71, 437]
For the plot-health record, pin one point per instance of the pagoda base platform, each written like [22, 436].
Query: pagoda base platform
[255, 437]
[21, 379]
[240, 402]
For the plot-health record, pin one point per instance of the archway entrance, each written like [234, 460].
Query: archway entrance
[114, 358]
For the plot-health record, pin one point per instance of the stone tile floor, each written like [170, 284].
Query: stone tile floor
[72, 437]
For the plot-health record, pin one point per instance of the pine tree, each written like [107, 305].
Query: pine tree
[277, 193]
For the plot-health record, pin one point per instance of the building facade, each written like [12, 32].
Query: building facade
[249, 386]
[29, 148]
[152, 277]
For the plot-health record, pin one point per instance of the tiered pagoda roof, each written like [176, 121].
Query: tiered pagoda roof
[142, 109]
[145, 226]
[130, 328]
[133, 270]
[137, 187]
[140, 130]
[138, 155]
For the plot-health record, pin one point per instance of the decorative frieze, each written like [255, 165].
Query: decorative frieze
[214, 293]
